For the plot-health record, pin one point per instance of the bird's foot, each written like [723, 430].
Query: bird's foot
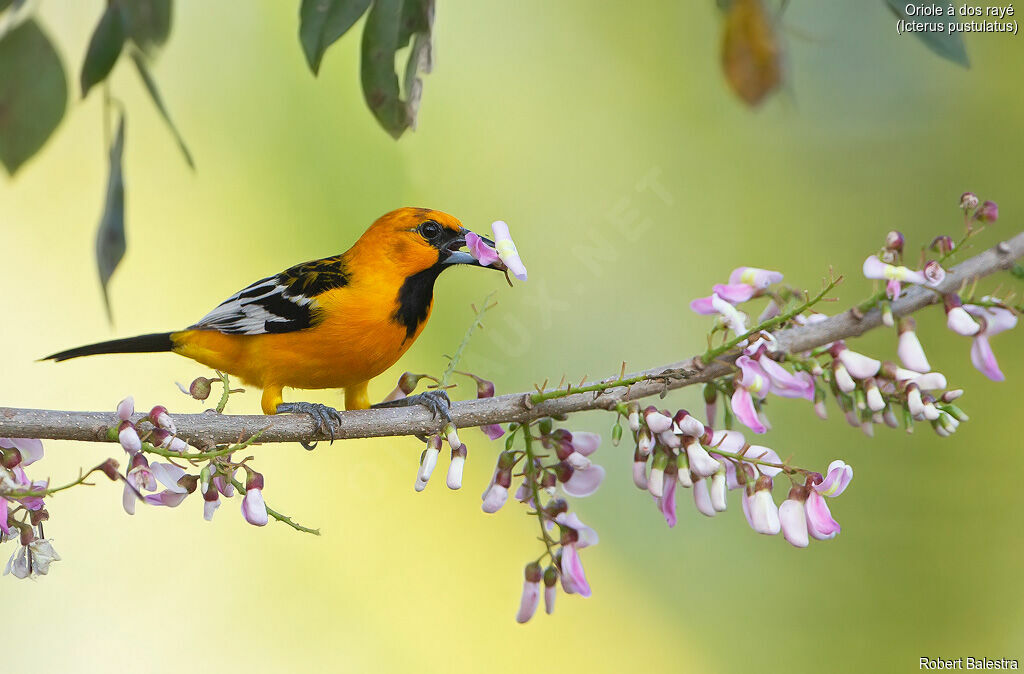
[436, 401]
[323, 415]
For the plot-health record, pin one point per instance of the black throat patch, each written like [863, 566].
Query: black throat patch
[414, 298]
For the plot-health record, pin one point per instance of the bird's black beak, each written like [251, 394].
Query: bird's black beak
[456, 256]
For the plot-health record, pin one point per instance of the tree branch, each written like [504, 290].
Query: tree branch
[204, 430]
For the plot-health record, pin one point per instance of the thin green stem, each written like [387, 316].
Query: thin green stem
[532, 479]
[453, 361]
[711, 354]
[276, 515]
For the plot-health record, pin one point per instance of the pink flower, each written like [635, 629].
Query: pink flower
[639, 470]
[836, 480]
[786, 384]
[574, 580]
[702, 498]
[550, 592]
[667, 502]
[857, 364]
[754, 277]
[254, 509]
[506, 249]
[988, 212]
[530, 598]
[993, 321]
[455, 468]
[126, 408]
[161, 419]
[793, 518]
[761, 512]
[129, 438]
[483, 253]
[909, 349]
[700, 462]
[957, 318]
[497, 489]
[752, 381]
[819, 519]
[211, 500]
[583, 481]
[874, 268]
[139, 478]
[169, 475]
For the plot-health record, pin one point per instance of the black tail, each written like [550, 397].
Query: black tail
[158, 341]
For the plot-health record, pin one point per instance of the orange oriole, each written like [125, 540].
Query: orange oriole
[330, 323]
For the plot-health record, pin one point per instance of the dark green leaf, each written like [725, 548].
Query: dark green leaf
[110, 240]
[154, 93]
[323, 22]
[33, 93]
[1017, 270]
[104, 48]
[147, 22]
[389, 26]
[949, 46]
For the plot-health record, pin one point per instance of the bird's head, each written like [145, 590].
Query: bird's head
[415, 240]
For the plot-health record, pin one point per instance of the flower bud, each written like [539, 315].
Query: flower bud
[968, 201]
[428, 462]
[943, 245]
[683, 474]
[126, 408]
[957, 318]
[702, 498]
[894, 241]
[639, 470]
[451, 435]
[656, 421]
[656, 478]
[189, 482]
[550, 589]
[645, 443]
[129, 437]
[988, 212]
[484, 388]
[934, 274]
[633, 417]
[545, 425]
[455, 468]
[109, 468]
[719, 488]
[10, 458]
[200, 388]
[531, 592]
[885, 307]
[159, 417]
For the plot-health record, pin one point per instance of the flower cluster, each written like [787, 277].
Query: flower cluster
[563, 460]
[677, 450]
[167, 483]
[22, 509]
[428, 459]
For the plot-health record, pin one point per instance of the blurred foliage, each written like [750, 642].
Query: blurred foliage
[110, 239]
[949, 46]
[33, 93]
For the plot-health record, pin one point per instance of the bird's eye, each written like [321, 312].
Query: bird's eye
[430, 230]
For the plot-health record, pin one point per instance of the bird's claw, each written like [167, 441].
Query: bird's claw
[322, 414]
[436, 401]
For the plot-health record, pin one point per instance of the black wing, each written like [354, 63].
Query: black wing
[282, 303]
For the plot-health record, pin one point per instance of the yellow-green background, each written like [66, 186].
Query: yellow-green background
[548, 115]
